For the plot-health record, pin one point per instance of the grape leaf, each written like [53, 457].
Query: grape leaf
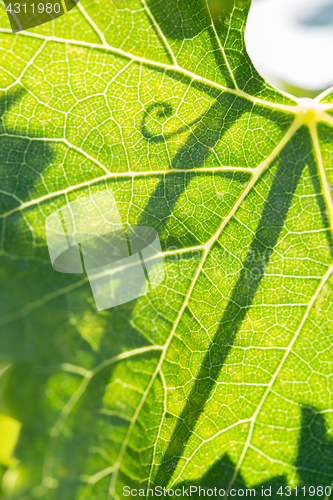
[220, 376]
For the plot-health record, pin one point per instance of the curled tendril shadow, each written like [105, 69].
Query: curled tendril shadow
[162, 110]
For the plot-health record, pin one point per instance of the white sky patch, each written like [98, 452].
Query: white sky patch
[292, 40]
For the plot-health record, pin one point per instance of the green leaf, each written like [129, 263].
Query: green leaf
[220, 376]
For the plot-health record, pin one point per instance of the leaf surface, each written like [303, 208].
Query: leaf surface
[221, 376]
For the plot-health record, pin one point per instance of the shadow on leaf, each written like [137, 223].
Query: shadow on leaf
[314, 467]
[269, 228]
